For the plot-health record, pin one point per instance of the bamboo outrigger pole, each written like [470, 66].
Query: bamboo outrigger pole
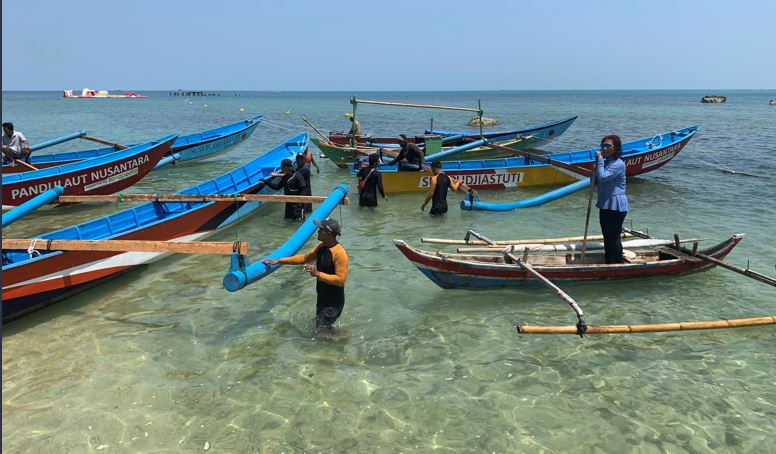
[170, 247]
[650, 328]
[105, 142]
[401, 104]
[721, 263]
[320, 134]
[509, 242]
[571, 167]
[581, 327]
[116, 198]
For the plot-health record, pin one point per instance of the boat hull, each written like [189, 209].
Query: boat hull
[192, 147]
[33, 283]
[340, 152]
[449, 272]
[98, 176]
[523, 172]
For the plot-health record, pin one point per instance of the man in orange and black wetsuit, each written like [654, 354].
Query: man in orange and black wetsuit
[330, 270]
[437, 193]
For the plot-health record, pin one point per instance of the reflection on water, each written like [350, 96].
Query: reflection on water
[164, 359]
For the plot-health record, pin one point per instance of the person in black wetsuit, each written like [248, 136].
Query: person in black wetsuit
[372, 181]
[437, 193]
[292, 184]
[410, 156]
[330, 271]
[303, 168]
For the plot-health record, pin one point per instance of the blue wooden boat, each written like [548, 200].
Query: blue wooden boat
[106, 174]
[640, 157]
[185, 148]
[33, 282]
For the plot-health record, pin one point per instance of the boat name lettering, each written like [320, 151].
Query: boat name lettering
[119, 168]
[480, 179]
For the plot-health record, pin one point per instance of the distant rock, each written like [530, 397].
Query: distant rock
[772, 102]
[714, 99]
[485, 121]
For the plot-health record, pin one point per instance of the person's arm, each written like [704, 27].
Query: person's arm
[615, 170]
[275, 186]
[340, 259]
[459, 185]
[25, 144]
[380, 185]
[430, 194]
[295, 259]
[396, 159]
[311, 159]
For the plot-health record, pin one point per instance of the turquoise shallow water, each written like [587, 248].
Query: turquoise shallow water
[164, 360]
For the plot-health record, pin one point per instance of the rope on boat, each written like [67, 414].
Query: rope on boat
[650, 328]
[31, 249]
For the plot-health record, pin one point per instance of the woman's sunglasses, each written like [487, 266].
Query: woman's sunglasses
[606, 146]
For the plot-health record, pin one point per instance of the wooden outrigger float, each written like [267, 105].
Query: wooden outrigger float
[34, 277]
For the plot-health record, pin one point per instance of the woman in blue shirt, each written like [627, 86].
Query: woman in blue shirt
[612, 202]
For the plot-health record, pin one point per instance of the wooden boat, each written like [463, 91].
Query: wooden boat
[192, 147]
[640, 157]
[102, 175]
[32, 281]
[338, 148]
[487, 271]
[89, 93]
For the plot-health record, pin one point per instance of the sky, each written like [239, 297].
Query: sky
[389, 45]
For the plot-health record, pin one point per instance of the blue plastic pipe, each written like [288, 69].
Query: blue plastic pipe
[58, 140]
[476, 205]
[446, 153]
[31, 205]
[452, 138]
[242, 273]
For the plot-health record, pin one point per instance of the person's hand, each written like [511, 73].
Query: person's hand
[423, 207]
[598, 155]
[311, 269]
[317, 169]
[385, 198]
[270, 262]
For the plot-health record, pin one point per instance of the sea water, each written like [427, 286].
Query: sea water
[163, 359]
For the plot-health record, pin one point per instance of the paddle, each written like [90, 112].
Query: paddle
[105, 142]
[587, 215]
[29, 166]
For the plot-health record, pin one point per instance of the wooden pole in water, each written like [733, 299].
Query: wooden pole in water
[231, 198]
[652, 328]
[173, 247]
[105, 142]
[587, 214]
[320, 134]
